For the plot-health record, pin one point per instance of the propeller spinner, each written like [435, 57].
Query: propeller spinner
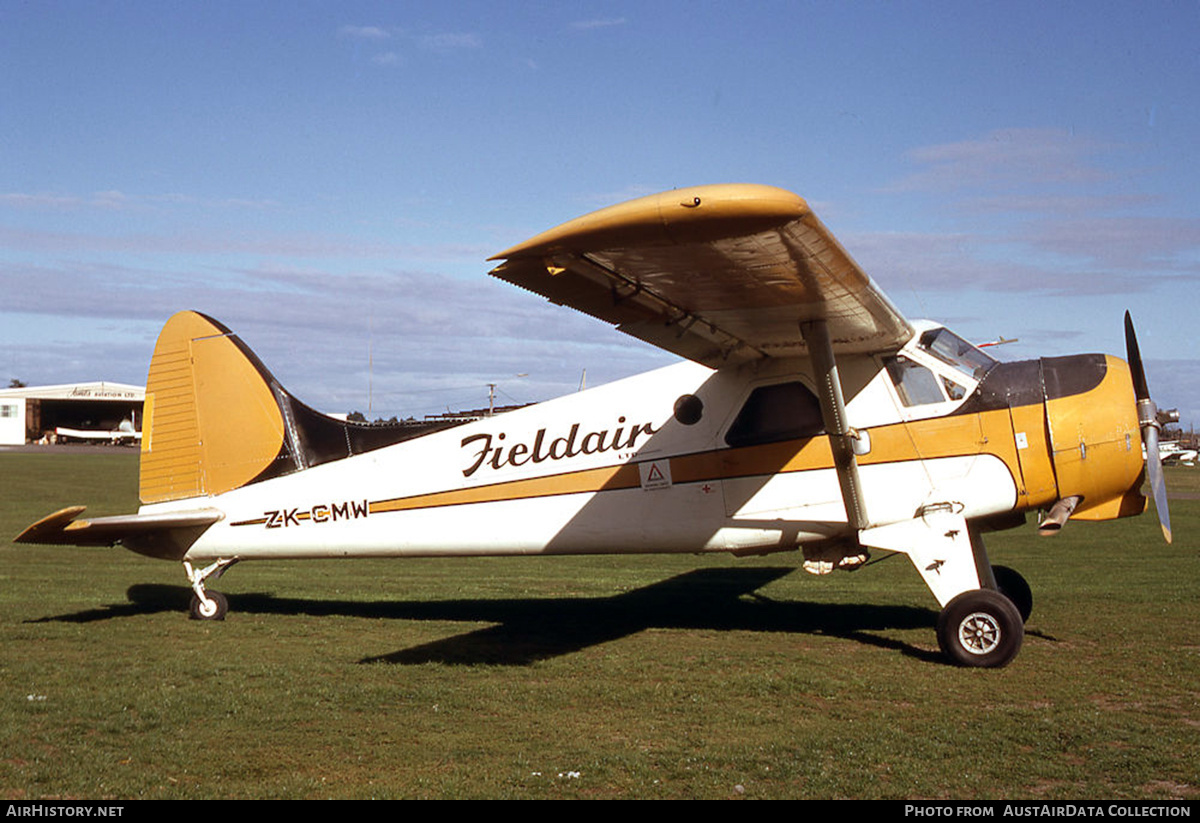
[1151, 420]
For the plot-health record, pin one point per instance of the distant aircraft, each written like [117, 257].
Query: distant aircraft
[808, 414]
[123, 433]
[1173, 452]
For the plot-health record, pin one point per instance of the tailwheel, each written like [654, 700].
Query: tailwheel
[207, 605]
[1012, 585]
[213, 607]
[980, 628]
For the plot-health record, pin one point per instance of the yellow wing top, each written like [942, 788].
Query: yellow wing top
[717, 274]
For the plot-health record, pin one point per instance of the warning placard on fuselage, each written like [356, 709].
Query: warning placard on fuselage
[656, 474]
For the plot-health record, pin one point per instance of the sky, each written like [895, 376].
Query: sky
[329, 179]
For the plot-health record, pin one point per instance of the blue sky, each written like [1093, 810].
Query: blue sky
[328, 179]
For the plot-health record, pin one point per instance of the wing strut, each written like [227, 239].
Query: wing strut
[842, 439]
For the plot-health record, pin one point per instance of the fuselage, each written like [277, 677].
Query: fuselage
[691, 459]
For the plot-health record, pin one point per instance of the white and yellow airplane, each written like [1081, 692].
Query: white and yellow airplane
[808, 413]
[123, 432]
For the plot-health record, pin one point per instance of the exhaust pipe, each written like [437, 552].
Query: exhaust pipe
[1058, 515]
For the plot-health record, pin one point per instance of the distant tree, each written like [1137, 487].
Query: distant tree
[15, 383]
[356, 417]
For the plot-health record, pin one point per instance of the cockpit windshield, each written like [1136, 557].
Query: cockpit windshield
[951, 349]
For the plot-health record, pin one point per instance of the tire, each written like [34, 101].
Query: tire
[980, 628]
[216, 611]
[1012, 585]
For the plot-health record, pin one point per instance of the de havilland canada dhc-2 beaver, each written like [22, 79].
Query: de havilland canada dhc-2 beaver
[808, 414]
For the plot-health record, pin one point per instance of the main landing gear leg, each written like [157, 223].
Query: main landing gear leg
[207, 605]
[978, 626]
[1008, 582]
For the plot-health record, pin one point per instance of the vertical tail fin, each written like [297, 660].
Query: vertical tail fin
[212, 420]
[215, 419]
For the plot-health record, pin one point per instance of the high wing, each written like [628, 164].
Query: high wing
[717, 274]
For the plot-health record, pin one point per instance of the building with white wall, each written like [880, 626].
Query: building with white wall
[29, 413]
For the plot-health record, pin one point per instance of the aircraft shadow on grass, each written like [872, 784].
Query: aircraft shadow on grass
[531, 629]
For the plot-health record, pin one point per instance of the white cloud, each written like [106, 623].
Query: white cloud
[1038, 210]
[102, 200]
[956, 262]
[449, 41]
[1006, 159]
[364, 32]
[1142, 246]
[114, 200]
[312, 326]
[1072, 203]
[599, 23]
[22, 200]
[276, 245]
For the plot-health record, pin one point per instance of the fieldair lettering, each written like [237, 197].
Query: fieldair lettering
[495, 453]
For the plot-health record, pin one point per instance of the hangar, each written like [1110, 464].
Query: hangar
[98, 411]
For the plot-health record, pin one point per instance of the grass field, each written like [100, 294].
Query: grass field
[609, 677]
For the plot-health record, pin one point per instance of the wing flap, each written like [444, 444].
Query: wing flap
[717, 274]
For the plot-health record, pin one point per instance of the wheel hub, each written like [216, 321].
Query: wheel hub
[979, 633]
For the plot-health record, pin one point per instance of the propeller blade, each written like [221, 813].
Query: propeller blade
[1148, 419]
[1158, 484]
[1134, 355]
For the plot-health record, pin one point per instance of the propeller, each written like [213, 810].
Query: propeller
[1151, 420]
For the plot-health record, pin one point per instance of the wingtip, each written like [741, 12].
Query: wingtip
[650, 216]
[50, 526]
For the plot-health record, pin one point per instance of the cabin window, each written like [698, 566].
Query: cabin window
[953, 390]
[689, 409]
[951, 349]
[8, 410]
[915, 384]
[785, 411]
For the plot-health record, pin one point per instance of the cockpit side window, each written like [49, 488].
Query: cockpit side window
[915, 384]
[953, 390]
[784, 411]
[951, 349]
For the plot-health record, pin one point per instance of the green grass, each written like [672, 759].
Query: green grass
[606, 677]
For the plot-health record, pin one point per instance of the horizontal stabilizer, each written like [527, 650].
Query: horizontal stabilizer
[166, 535]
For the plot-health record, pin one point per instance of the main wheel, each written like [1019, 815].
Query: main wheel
[980, 628]
[213, 610]
[1013, 586]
